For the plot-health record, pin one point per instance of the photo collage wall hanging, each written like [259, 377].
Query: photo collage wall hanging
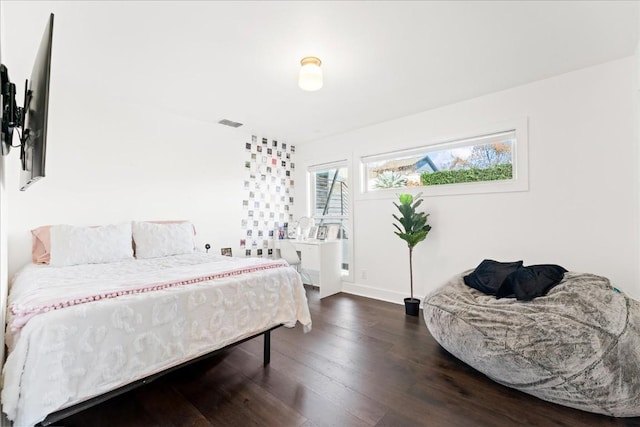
[268, 194]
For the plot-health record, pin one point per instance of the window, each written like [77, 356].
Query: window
[483, 159]
[330, 204]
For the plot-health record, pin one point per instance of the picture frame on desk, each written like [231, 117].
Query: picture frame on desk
[333, 231]
[313, 232]
[322, 232]
[225, 251]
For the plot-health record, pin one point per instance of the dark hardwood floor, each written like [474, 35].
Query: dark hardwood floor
[364, 364]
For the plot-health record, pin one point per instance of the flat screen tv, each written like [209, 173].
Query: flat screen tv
[31, 120]
[36, 107]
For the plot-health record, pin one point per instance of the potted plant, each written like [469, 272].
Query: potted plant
[413, 229]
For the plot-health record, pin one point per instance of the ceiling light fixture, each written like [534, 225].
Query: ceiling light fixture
[310, 77]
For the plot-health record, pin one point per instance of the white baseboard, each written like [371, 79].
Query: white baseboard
[376, 293]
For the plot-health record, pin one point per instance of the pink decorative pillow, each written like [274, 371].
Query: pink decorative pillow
[41, 245]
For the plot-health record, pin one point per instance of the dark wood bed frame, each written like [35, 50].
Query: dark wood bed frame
[71, 410]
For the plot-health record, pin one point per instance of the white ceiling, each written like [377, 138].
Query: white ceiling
[381, 60]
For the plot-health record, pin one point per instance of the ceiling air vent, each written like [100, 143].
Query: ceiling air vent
[230, 123]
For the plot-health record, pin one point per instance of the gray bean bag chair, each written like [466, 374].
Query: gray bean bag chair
[578, 346]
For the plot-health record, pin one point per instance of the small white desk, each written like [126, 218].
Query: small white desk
[321, 264]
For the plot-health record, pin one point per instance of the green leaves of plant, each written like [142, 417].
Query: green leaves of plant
[494, 173]
[413, 227]
[405, 199]
[391, 179]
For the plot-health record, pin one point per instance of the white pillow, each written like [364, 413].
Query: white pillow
[71, 245]
[155, 240]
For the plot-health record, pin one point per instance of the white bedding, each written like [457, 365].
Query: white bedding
[145, 318]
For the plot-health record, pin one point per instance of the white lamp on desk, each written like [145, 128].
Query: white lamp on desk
[302, 228]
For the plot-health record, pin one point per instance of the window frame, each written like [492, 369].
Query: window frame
[519, 181]
[311, 170]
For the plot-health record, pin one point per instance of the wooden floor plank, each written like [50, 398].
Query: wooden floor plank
[168, 407]
[337, 393]
[365, 363]
[122, 411]
[319, 408]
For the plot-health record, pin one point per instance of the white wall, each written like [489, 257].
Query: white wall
[112, 155]
[110, 160]
[581, 209]
[636, 137]
[4, 258]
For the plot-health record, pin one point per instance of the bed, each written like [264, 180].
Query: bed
[75, 332]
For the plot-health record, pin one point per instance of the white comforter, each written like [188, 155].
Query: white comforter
[77, 332]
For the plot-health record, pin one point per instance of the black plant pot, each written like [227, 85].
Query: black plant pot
[412, 306]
